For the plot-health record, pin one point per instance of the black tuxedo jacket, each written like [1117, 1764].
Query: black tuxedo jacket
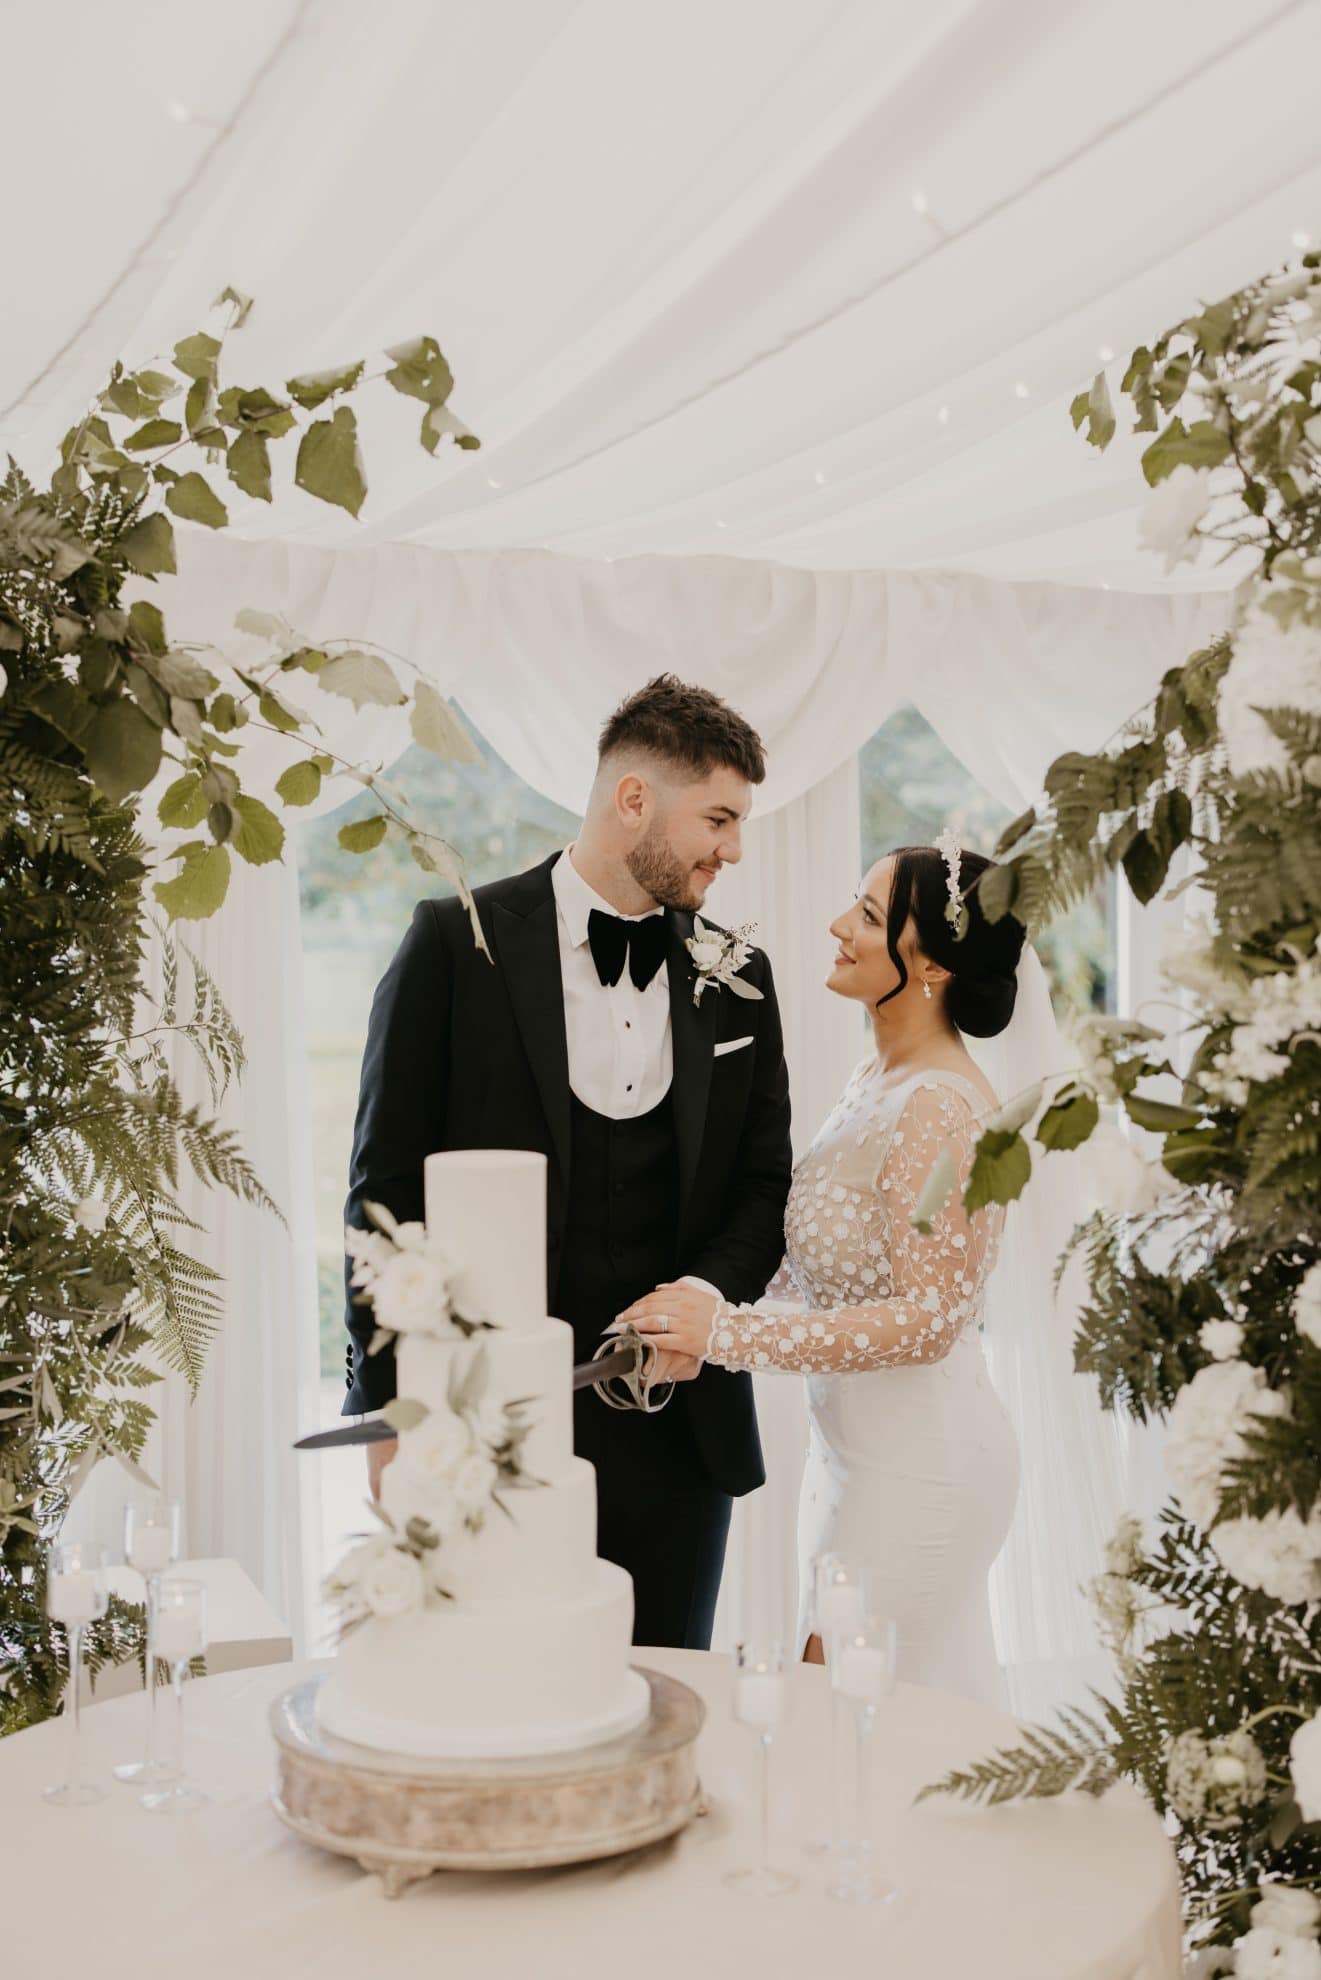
[464, 1054]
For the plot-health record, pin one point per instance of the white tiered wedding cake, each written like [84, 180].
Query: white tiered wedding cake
[488, 1625]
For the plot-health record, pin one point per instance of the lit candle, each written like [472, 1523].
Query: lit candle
[759, 1697]
[179, 1636]
[860, 1672]
[73, 1597]
[840, 1605]
[150, 1551]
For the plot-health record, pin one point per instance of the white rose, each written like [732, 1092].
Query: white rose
[1305, 1766]
[1124, 1180]
[432, 1454]
[1284, 1909]
[708, 952]
[474, 1481]
[93, 1213]
[411, 1295]
[1270, 668]
[1271, 1955]
[1278, 1553]
[1221, 1339]
[1307, 1305]
[393, 1584]
[1205, 1429]
[1170, 517]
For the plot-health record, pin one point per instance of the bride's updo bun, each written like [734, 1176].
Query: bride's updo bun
[983, 962]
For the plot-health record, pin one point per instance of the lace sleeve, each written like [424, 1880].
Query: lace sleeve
[935, 1279]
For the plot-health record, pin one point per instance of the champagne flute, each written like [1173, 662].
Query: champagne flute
[76, 1594]
[863, 1674]
[151, 1544]
[838, 1604]
[761, 1702]
[180, 1636]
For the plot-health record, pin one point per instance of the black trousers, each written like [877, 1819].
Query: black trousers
[655, 1518]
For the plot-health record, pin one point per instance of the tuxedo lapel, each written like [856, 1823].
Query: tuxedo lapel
[692, 1033]
[528, 945]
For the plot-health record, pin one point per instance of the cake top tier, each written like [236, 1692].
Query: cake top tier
[486, 1208]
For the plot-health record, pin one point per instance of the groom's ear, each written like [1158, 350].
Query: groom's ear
[632, 799]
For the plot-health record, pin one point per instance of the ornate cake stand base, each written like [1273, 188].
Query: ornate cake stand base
[403, 1817]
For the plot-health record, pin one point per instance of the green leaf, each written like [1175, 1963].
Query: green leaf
[1001, 1166]
[1016, 1113]
[220, 822]
[225, 714]
[997, 890]
[179, 673]
[1097, 408]
[313, 388]
[200, 886]
[249, 465]
[1202, 445]
[1019, 829]
[123, 748]
[277, 713]
[362, 678]
[146, 626]
[260, 625]
[1190, 1155]
[193, 499]
[196, 356]
[329, 463]
[259, 835]
[242, 305]
[310, 659]
[363, 834]
[420, 371]
[299, 784]
[438, 423]
[1145, 867]
[183, 805]
[156, 433]
[1159, 1115]
[148, 546]
[437, 727]
[405, 1413]
[1069, 1121]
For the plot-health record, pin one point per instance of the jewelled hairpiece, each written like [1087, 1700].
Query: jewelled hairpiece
[947, 845]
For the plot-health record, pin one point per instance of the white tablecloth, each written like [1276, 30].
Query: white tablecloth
[1071, 1889]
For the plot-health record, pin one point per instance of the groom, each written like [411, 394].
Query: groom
[665, 1119]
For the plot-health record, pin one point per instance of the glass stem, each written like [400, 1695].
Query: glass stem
[765, 1803]
[153, 1584]
[74, 1698]
[865, 1716]
[838, 1725]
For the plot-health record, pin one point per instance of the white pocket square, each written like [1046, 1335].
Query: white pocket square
[733, 1045]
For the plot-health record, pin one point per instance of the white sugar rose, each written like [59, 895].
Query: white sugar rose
[474, 1482]
[1272, 1955]
[1307, 1305]
[1270, 668]
[432, 1454]
[1222, 1339]
[393, 1584]
[1305, 1766]
[1205, 1429]
[1169, 519]
[1278, 1553]
[411, 1295]
[1285, 1909]
[92, 1214]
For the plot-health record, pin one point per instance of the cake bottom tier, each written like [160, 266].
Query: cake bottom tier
[476, 1683]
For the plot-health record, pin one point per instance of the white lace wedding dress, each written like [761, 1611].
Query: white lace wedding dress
[912, 1467]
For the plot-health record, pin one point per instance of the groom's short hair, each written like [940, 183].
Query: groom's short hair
[686, 726]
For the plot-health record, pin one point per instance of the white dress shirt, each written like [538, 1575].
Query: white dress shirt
[621, 1055]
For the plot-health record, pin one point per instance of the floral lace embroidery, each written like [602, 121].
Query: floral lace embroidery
[876, 1292]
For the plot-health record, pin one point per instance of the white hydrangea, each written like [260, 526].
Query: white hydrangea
[1286, 1909]
[1169, 521]
[92, 1213]
[1222, 1339]
[1267, 1954]
[1271, 668]
[1305, 1767]
[1205, 1429]
[1188, 962]
[1277, 1009]
[1307, 1305]
[1212, 1781]
[1279, 1553]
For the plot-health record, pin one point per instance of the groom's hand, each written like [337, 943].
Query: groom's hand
[378, 1456]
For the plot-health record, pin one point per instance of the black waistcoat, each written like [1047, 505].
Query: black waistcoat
[622, 1217]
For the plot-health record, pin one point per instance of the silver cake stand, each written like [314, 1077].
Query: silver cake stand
[403, 1817]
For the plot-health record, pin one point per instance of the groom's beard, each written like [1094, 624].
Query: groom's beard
[659, 872]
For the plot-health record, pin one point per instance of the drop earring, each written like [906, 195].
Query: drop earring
[926, 989]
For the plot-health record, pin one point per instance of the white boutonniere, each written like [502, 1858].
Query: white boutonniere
[718, 958]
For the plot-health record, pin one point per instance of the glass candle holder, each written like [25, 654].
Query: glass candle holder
[863, 1677]
[838, 1604]
[180, 1636]
[761, 1702]
[151, 1544]
[76, 1594]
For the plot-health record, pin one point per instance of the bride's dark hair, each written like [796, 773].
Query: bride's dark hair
[982, 989]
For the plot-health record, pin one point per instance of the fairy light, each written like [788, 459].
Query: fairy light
[1022, 390]
[1105, 354]
[820, 477]
[943, 415]
[920, 203]
[1301, 239]
[178, 112]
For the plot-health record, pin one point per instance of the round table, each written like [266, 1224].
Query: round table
[1069, 1889]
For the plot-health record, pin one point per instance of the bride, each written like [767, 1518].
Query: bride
[912, 1468]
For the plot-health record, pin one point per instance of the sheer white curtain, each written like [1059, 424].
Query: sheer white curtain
[538, 649]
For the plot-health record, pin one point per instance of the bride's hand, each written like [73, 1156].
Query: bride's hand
[674, 1368]
[677, 1317]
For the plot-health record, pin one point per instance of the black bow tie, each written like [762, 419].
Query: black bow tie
[611, 939]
